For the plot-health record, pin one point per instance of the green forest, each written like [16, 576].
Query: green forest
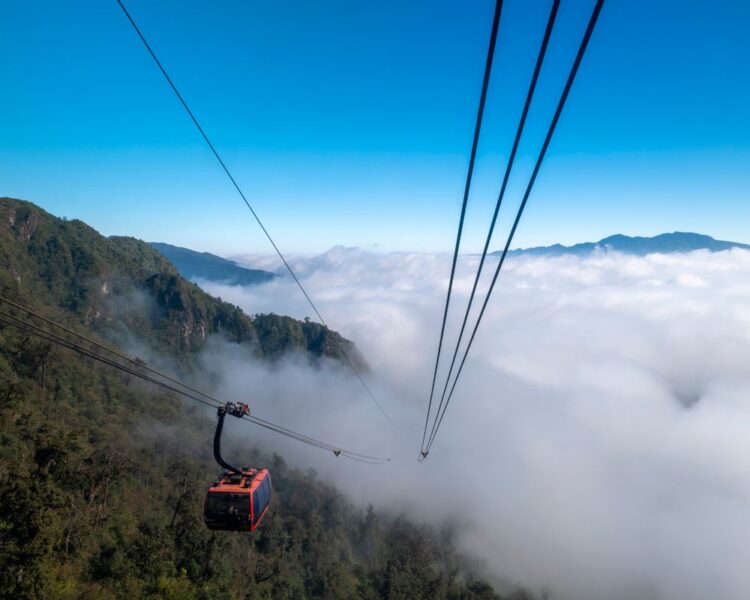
[102, 478]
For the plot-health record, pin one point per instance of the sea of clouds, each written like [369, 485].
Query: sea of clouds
[598, 444]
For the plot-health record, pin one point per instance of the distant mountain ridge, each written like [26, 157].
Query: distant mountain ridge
[666, 243]
[202, 265]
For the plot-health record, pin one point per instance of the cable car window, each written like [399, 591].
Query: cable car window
[257, 508]
[228, 507]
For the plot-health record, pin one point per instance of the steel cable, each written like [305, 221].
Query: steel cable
[183, 389]
[226, 170]
[553, 124]
[467, 188]
[501, 195]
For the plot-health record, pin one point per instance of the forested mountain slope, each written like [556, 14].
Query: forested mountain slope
[102, 478]
[119, 284]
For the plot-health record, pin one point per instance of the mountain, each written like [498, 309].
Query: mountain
[121, 287]
[666, 243]
[102, 478]
[194, 265]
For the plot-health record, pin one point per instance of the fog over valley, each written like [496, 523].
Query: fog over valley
[596, 445]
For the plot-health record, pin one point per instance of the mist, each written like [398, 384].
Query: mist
[597, 444]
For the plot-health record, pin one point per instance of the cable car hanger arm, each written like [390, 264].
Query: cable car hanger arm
[236, 410]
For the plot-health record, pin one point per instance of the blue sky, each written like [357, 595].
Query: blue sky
[349, 122]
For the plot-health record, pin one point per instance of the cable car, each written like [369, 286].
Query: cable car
[238, 501]
[239, 498]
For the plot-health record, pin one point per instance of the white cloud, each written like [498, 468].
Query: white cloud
[597, 443]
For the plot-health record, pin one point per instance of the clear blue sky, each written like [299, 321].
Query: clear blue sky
[349, 122]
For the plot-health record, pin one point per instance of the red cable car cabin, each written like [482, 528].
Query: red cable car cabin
[238, 501]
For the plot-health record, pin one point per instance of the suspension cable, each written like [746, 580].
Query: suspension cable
[501, 195]
[519, 213]
[228, 173]
[158, 378]
[138, 363]
[467, 188]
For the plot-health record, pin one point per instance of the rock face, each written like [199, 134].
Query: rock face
[122, 284]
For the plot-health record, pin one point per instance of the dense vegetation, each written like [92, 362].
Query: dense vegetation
[101, 478]
[122, 285]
